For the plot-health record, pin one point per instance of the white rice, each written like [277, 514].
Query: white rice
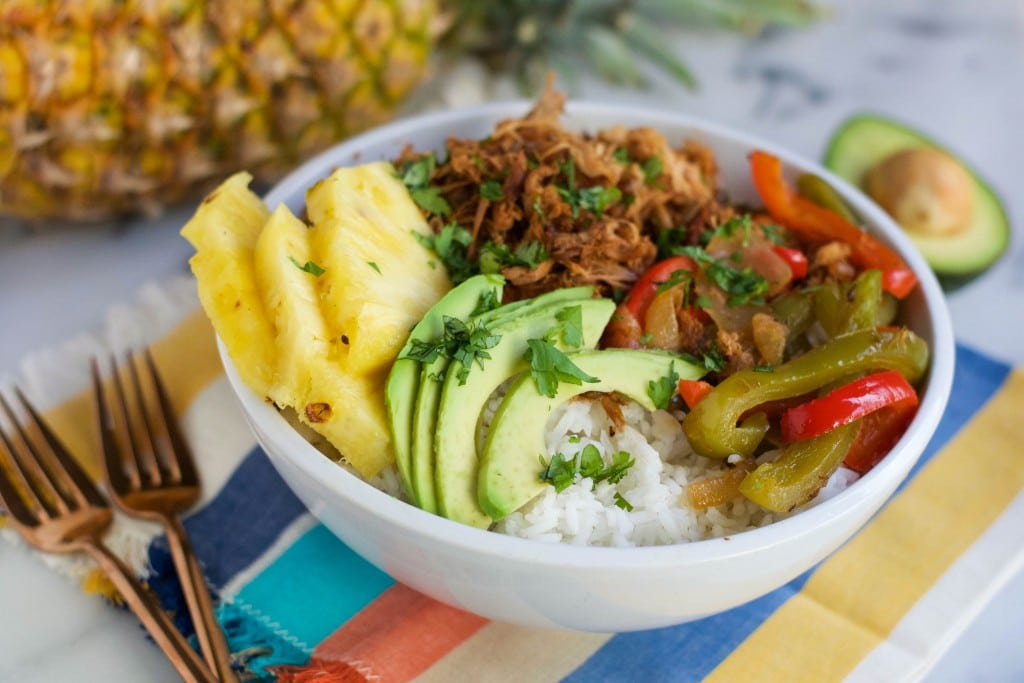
[655, 486]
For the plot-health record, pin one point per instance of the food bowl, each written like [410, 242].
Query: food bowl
[595, 588]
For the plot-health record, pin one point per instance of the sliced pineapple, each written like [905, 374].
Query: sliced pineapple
[344, 407]
[224, 230]
[379, 279]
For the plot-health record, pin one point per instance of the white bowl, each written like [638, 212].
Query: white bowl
[585, 588]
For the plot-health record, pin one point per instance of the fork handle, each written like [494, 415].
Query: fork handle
[144, 605]
[193, 584]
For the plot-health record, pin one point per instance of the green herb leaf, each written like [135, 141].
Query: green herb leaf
[491, 190]
[712, 359]
[663, 389]
[677, 277]
[488, 302]
[494, 257]
[430, 199]
[621, 502]
[571, 318]
[646, 338]
[465, 342]
[416, 174]
[668, 240]
[652, 169]
[549, 366]
[621, 155]
[743, 286]
[309, 267]
[561, 472]
[374, 265]
[451, 245]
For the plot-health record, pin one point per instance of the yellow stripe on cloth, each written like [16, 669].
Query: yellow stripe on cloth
[503, 653]
[188, 361]
[853, 601]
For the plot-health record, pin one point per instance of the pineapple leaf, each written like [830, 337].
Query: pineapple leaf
[611, 56]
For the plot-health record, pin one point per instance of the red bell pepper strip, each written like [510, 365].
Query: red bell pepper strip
[849, 402]
[693, 390]
[879, 432]
[646, 288]
[795, 259]
[807, 218]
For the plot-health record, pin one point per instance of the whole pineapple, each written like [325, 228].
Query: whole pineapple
[112, 107]
[109, 107]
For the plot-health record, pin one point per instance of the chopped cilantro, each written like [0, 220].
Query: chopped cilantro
[773, 233]
[549, 366]
[668, 240]
[571, 318]
[488, 302]
[309, 267]
[652, 169]
[491, 189]
[494, 257]
[430, 199]
[373, 264]
[621, 502]
[743, 286]
[461, 341]
[712, 359]
[537, 208]
[677, 277]
[415, 176]
[663, 389]
[450, 245]
[561, 472]
[574, 438]
[731, 226]
[595, 199]
[646, 339]
[621, 155]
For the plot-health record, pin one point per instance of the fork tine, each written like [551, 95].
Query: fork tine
[68, 472]
[140, 458]
[120, 474]
[10, 496]
[153, 454]
[26, 460]
[181, 461]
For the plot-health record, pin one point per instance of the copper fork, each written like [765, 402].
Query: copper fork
[57, 509]
[150, 474]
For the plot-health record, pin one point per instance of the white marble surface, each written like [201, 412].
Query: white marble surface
[954, 68]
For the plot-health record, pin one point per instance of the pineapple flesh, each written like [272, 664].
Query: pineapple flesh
[314, 315]
[112, 108]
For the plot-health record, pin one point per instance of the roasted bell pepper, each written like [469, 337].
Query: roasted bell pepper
[807, 218]
[646, 288]
[800, 472]
[795, 259]
[846, 404]
[712, 426]
[693, 390]
[706, 493]
[878, 433]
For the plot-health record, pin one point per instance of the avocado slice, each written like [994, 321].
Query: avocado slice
[401, 387]
[427, 391]
[864, 141]
[509, 466]
[461, 406]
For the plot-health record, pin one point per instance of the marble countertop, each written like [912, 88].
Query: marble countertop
[952, 68]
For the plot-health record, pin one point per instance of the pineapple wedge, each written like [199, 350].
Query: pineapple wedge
[344, 407]
[379, 280]
[224, 230]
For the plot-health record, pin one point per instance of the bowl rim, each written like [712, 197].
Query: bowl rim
[885, 477]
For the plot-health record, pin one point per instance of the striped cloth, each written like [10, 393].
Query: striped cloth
[299, 605]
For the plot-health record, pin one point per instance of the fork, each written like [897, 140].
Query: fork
[56, 508]
[150, 474]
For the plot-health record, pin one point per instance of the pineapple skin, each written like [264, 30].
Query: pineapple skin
[110, 107]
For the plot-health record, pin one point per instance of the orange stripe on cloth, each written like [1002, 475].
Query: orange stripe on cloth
[188, 362]
[392, 640]
[852, 602]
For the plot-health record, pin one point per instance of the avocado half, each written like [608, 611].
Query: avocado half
[865, 140]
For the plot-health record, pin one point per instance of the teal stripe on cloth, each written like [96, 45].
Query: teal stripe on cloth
[315, 585]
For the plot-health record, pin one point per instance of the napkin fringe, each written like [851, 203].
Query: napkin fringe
[51, 375]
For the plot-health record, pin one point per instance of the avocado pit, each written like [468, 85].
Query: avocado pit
[925, 190]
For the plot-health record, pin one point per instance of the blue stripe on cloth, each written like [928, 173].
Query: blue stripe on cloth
[314, 587]
[690, 652]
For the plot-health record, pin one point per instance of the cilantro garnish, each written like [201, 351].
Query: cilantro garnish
[677, 277]
[451, 245]
[461, 341]
[309, 267]
[491, 190]
[373, 264]
[571, 318]
[561, 472]
[663, 389]
[594, 199]
[646, 338]
[652, 169]
[670, 239]
[488, 302]
[743, 286]
[621, 155]
[494, 257]
[712, 359]
[621, 502]
[415, 175]
[549, 366]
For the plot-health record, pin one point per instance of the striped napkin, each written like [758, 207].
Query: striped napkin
[298, 605]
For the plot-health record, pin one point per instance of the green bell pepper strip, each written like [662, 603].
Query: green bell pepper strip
[815, 189]
[800, 472]
[711, 426]
[864, 298]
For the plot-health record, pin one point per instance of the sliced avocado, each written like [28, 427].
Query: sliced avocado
[401, 388]
[864, 142]
[458, 415]
[428, 391]
[510, 467]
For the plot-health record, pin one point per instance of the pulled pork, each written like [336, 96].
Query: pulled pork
[596, 203]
